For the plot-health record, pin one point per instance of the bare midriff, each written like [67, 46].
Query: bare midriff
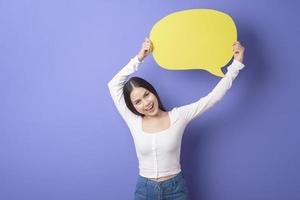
[164, 178]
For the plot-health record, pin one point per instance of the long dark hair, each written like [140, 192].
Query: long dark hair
[138, 82]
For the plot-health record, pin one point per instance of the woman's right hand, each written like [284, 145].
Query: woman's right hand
[146, 49]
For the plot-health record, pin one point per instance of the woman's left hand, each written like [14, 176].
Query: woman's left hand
[238, 51]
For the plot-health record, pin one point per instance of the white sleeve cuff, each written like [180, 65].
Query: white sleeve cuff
[136, 60]
[238, 64]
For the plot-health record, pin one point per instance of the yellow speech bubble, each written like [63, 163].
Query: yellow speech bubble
[194, 39]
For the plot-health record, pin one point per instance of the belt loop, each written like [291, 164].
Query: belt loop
[146, 185]
[174, 181]
[146, 181]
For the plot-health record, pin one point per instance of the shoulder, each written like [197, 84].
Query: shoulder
[174, 114]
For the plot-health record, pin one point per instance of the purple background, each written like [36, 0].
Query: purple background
[61, 137]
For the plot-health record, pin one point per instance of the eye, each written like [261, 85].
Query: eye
[137, 102]
[146, 94]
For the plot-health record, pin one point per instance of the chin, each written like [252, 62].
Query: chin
[154, 113]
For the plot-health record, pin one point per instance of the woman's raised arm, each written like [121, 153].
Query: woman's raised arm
[190, 111]
[116, 84]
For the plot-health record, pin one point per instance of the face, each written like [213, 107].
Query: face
[144, 101]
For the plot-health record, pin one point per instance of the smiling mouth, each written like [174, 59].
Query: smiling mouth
[150, 108]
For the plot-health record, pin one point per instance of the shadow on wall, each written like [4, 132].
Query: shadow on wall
[197, 138]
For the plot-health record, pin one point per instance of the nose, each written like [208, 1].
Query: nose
[146, 103]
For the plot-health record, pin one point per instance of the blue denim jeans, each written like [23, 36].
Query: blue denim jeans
[171, 189]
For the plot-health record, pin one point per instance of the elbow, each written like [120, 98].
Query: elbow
[110, 84]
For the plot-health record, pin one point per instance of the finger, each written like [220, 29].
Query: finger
[236, 43]
[237, 46]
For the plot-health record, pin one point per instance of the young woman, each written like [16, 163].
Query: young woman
[157, 133]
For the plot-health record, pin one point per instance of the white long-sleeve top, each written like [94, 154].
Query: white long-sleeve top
[159, 153]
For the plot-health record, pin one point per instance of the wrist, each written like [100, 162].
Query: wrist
[140, 57]
[239, 58]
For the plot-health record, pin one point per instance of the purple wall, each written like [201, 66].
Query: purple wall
[61, 137]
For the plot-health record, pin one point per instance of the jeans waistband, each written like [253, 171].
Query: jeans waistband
[170, 181]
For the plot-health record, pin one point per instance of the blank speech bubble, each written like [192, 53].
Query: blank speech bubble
[194, 39]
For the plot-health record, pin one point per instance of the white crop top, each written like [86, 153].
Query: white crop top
[159, 153]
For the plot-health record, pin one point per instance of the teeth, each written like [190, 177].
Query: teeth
[149, 108]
